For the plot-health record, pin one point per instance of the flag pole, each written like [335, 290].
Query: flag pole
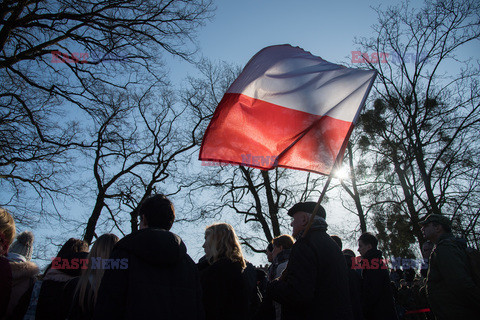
[337, 160]
[329, 179]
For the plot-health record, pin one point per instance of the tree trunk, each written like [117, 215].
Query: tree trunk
[92, 221]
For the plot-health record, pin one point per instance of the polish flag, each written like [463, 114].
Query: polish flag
[289, 109]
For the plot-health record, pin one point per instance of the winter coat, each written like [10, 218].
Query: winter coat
[54, 300]
[377, 295]
[6, 285]
[76, 312]
[281, 262]
[225, 290]
[315, 283]
[160, 282]
[451, 292]
[23, 273]
[355, 289]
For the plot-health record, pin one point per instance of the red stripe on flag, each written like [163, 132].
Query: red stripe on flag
[253, 132]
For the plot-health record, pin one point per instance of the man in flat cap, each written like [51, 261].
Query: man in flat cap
[451, 291]
[315, 283]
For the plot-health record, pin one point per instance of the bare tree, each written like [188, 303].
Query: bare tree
[60, 63]
[420, 136]
[137, 143]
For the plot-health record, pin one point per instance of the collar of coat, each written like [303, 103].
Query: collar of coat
[57, 275]
[22, 270]
[319, 224]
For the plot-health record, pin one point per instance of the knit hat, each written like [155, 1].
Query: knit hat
[23, 245]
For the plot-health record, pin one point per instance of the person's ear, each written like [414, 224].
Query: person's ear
[304, 218]
[143, 221]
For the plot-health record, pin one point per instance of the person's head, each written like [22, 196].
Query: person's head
[221, 241]
[434, 225]
[366, 242]
[72, 249]
[102, 247]
[338, 241]
[348, 252]
[89, 282]
[23, 245]
[349, 257]
[269, 252]
[300, 213]
[281, 243]
[427, 248]
[157, 212]
[7, 231]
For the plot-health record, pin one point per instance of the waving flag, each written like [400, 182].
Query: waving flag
[287, 108]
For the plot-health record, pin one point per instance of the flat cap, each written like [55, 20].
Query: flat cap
[307, 207]
[436, 218]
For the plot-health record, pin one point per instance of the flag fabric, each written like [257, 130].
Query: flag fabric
[289, 109]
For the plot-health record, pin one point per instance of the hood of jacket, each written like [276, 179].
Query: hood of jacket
[57, 275]
[156, 246]
[23, 270]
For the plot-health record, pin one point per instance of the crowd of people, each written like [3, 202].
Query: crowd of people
[149, 275]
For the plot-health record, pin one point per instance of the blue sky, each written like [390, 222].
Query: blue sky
[326, 29]
[240, 29]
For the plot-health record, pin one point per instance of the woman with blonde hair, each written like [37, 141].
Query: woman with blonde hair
[225, 289]
[86, 286]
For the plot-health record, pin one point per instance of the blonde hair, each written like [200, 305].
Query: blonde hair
[7, 227]
[102, 248]
[222, 241]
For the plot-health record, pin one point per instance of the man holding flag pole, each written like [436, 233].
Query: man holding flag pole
[300, 110]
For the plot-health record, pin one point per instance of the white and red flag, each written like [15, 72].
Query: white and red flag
[289, 109]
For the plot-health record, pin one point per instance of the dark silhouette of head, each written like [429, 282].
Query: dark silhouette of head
[157, 212]
[338, 241]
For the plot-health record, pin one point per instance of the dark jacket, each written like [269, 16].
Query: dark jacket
[225, 290]
[160, 282]
[377, 295]
[355, 289]
[315, 283]
[451, 292]
[76, 312]
[6, 285]
[54, 299]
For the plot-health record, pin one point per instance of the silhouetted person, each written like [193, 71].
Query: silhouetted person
[451, 291]
[315, 283]
[161, 281]
[225, 288]
[377, 294]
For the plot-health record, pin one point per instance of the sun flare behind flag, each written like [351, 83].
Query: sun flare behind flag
[289, 109]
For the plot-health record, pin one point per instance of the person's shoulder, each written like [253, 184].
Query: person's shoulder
[155, 246]
[447, 243]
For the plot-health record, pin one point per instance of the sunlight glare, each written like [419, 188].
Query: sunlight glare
[342, 173]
